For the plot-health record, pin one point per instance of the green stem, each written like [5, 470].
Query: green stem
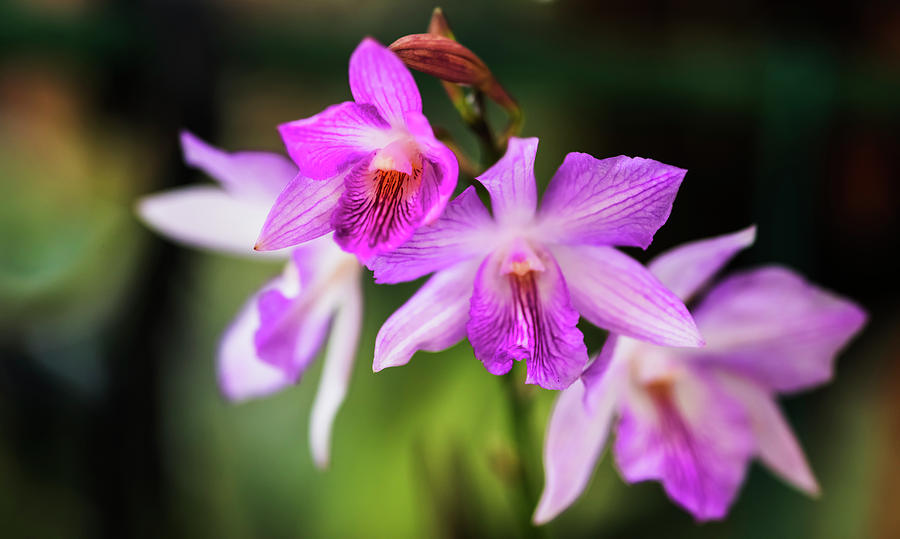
[524, 486]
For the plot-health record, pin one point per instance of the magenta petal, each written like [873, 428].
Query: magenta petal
[462, 232]
[613, 291]
[379, 78]
[332, 141]
[293, 324]
[595, 373]
[510, 181]
[256, 176]
[442, 174]
[526, 316]
[776, 327]
[575, 438]
[776, 444]
[432, 320]
[616, 201]
[379, 210]
[689, 267]
[242, 374]
[691, 437]
[301, 213]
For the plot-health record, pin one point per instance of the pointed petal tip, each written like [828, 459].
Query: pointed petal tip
[369, 40]
[193, 148]
[545, 510]
[322, 462]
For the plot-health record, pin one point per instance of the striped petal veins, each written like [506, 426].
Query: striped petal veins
[383, 202]
[520, 309]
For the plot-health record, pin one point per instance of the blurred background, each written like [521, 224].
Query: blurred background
[111, 424]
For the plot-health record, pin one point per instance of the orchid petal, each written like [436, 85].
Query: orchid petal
[379, 210]
[575, 438]
[690, 436]
[341, 351]
[332, 141]
[462, 232]
[301, 213]
[294, 322]
[242, 374]
[253, 175]
[776, 444]
[378, 77]
[615, 292]
[432, 320]
[206, 217]
[776, 327]
[597, 371]
[516, 316]
[510, 181]
[616, 201]
[687, 268]
[442, 174]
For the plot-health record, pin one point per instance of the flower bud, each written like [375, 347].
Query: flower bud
[438, 24]
[443, 58]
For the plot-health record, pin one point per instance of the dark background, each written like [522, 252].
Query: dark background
[787, 116]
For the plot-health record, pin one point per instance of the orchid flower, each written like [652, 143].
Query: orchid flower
[279, 331]
[369, 169]
[515, 282]
[693, 418]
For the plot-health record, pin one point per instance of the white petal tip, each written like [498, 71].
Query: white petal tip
[543, 514]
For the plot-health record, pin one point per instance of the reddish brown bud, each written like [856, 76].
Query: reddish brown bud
[443, 58]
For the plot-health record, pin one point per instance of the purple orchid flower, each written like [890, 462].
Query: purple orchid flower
[516, 282]
[693, 418]
[371, 170]
[281, 328]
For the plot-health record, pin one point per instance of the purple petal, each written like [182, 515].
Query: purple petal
[690, 436]
[206, 217]
[443, 173]
[595, 373]
[301, 213]
[341, 352]
[293, 322]
[332, 141]
[776, 444]
[380, 209]
[242, 374]
[432, 320]
[526, 314]
[575, 438]
[615, 292]
[511, 182]
[464, 231]
[689, 267]
[776, 327]
[257, 176]
[616, 201]
[379, 78]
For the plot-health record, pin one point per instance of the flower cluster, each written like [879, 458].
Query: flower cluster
[368, 183]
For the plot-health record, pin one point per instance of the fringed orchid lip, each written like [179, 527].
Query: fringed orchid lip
[520, 310]
[382, 204]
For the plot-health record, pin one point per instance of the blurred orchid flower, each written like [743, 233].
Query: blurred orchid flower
[693, 418]
[280, 330]
[371, 170]
[516, 282]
